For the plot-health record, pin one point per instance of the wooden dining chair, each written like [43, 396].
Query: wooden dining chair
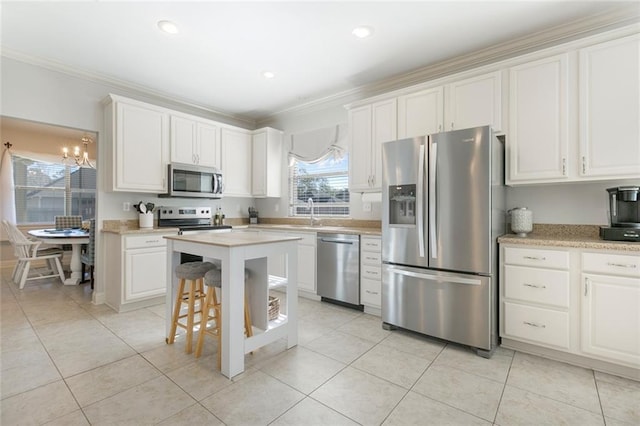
[88, 257]
[27, 251]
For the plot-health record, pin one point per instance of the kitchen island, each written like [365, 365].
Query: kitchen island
[237, 251]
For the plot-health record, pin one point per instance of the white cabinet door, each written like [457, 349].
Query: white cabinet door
[384, 121]
[475, 102]
[360, 148]
[369, 127]
[307, 268]
[267, 163]
[420, 113]
[611, 317]
[236, 162]
[141, 148]
[609, 109]
[538, 142]
[183, 140]
[194, 142]
[143, 276]
[208, 145]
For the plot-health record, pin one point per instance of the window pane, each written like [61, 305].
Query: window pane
[326, 182]
[42, 190]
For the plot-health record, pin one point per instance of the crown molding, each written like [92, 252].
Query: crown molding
[127, 87]
[615, 18]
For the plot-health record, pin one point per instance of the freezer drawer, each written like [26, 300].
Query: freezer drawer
[455, 307]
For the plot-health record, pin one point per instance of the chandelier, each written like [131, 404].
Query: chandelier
[81, 159]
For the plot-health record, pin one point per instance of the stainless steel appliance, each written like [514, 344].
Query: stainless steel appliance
[442, 211]
[624, 214]
[190, 181]
[338, 268]
[189, 220]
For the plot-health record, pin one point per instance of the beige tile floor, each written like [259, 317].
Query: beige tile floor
[67, 362]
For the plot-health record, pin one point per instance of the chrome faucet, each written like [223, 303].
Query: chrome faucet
[312, 220]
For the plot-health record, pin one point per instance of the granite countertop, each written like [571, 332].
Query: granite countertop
[360, 227]
[230, 240]
[326, 229]
[572, 236]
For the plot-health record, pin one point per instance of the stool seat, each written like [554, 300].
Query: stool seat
[213, 277]
[193, 270]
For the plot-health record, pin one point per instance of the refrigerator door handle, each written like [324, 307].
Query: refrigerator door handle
[419, 200]
[435, 277]
[433, 237]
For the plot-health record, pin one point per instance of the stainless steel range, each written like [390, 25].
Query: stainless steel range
[189, 220]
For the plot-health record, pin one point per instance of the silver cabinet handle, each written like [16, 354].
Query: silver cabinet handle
[450, 279]
[534, 258]
[420, 208]
[584, 164]
[564, 166]
[433, 199]
[534, 285]
[533, 324]
[586, 286]
[370, 258]
[622, 265]
[371, 292]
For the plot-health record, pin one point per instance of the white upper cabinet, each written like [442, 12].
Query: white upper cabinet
[136, 131]
[610, 109]
[369, 127]
[267, 163]
[194, 142]
[473, 102]
[538, 142]
[236, 161]
[420, 113]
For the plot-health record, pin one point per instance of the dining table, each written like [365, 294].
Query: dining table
[75, 237]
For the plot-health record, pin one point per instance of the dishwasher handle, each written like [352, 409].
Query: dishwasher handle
[328, 240]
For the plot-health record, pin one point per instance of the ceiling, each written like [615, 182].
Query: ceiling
[217, 58]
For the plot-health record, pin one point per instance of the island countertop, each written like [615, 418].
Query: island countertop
[231, 239]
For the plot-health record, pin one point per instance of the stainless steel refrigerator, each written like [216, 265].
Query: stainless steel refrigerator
[442, 211]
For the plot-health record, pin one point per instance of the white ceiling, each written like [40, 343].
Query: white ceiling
[222, 48]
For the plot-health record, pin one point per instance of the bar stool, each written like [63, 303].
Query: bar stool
[194, 273]
[212, 310]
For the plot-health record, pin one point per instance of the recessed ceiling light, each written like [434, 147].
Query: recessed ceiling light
[168, 27]
[268, 74]
[362, 32]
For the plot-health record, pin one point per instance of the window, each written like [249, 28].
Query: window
[44, 190]
[326, 182]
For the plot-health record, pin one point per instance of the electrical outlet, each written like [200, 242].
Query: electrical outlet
[126, 207]
[366, 207]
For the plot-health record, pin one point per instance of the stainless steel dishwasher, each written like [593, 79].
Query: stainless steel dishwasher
[338, 268]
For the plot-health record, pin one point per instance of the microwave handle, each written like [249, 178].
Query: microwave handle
[216, 182]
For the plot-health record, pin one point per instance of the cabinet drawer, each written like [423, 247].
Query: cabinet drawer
[536, 324]
[370, 258]
[370, 292]
[613, 264]
[547, 286]
[370, 244]
[371, 272]
[557, 259]
[142, 241]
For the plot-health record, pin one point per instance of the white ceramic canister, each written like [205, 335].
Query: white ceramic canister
[145, 220]
[521, 221]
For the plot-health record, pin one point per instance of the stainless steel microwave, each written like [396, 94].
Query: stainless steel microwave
[191, 181]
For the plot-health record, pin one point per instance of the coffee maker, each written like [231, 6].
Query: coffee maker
[624, 214]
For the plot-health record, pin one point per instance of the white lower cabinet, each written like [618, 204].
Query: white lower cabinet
[574, 304]
[535, 296]
[611, 306]
[370, 272]
[137, 265]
